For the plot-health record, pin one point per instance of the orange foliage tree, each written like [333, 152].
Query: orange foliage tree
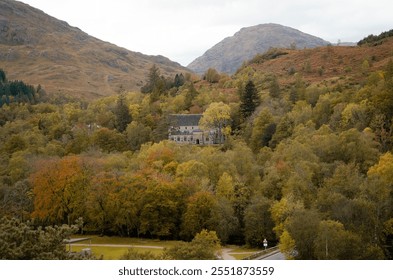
[59, 187]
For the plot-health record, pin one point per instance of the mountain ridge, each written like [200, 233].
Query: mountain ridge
[229, 54]
[41, 49]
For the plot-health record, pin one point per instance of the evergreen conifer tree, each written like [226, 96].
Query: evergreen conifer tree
[249, 100]
[123, 117]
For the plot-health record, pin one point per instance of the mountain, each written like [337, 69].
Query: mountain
[229, 54]
[40, 49]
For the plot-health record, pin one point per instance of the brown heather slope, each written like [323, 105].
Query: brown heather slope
[39, 49]
[330, 64]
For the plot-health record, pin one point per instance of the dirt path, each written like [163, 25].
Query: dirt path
[225, 254]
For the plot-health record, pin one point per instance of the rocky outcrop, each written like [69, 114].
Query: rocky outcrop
[229, 54]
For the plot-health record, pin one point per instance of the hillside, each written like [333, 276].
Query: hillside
[344, 64]
[229, 54]
[40, 49]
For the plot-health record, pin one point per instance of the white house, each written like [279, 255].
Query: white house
[184, 128]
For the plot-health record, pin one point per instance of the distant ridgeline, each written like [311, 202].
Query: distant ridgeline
[15, 91]
[376, 39]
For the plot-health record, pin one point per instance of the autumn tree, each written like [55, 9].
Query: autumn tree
[212, 76]
[109, 140]
[217, 118]
[160, 213]
[274, 89]
[263, 129]
[200, 214]
[59, 188]
[102, 204]
[226, 187]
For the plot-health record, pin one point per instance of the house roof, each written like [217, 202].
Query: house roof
[185, 119]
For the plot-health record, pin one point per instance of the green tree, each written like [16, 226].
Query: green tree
[22, 241]
[274, 89]
[258, 222]
[303, 228]
[179, 80]
[249, 100]
[204, 246]
[263, 129]
[137, 134]
[154, 80]
[16, 200]
[200, 214]
[3, 77]
[122, 113]
[333, 242]
[134, 254]
[161, 210]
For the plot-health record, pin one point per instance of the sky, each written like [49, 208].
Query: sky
[183, 30]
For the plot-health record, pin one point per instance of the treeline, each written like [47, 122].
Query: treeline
[307, 166]
[16, 91]
[375, 39]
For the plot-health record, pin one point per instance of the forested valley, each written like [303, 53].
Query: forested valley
[306, 165]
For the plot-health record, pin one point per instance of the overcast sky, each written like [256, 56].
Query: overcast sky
[182, 30]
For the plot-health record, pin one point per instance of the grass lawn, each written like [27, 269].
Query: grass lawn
[245, 249]
[116, 240]
[114, 253]
[240, 253]
[241, 256]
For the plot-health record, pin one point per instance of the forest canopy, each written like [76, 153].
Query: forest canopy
[307, 166]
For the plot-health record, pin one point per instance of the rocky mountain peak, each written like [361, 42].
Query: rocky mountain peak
[229, 54]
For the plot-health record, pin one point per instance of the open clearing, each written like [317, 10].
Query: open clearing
[112, 248]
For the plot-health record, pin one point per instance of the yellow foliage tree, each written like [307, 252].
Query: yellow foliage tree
[287, 245]
[217, 117]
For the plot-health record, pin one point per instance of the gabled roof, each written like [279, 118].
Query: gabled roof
[185, 119]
